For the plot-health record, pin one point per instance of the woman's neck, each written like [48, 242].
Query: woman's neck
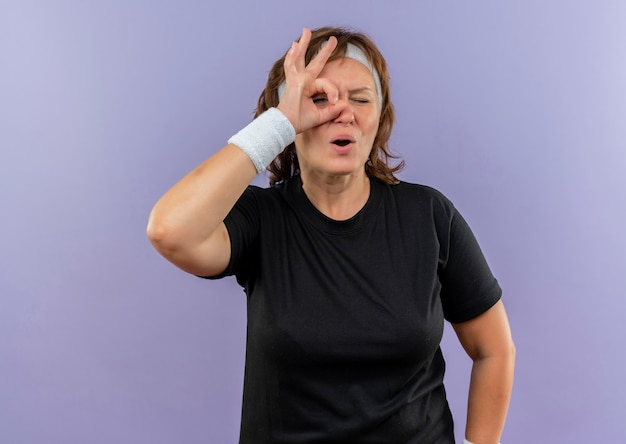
[337, 197]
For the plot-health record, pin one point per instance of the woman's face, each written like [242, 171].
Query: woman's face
[342, 146]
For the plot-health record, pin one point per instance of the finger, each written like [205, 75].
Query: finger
[328, 88]
[305, 37]
[289, 64]
[294, 63]
[300, 48]
[331, 112]
[318, 62]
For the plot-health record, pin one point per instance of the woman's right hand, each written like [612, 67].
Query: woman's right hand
[187, 223]
[303, 83]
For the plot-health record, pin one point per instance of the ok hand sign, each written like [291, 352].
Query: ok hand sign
[303, 83]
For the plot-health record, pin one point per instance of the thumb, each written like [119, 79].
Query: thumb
[332, 111]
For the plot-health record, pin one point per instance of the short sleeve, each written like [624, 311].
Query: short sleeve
[468, 287]
[242, 224]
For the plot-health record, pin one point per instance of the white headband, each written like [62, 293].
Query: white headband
[355, 53]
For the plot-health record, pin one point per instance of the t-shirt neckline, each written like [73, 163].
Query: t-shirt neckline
[299, 200]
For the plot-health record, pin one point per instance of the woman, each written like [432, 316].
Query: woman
[349, 272]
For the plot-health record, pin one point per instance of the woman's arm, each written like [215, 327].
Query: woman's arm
[186, 225]
[487, 340]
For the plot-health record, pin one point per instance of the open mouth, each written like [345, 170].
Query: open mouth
[342, 142]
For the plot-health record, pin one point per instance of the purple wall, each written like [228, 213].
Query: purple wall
[515, 110]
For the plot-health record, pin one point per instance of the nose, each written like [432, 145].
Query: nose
[346, 115]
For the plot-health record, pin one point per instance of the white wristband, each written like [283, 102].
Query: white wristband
[265, 138]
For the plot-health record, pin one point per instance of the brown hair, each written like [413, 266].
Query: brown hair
[285, 166]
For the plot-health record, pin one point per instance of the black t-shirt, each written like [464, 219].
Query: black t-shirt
[345, 317]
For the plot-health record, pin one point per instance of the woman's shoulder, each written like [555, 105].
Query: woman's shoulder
[257, 201]
[271, 198]
[416, 192]
[260, 193]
